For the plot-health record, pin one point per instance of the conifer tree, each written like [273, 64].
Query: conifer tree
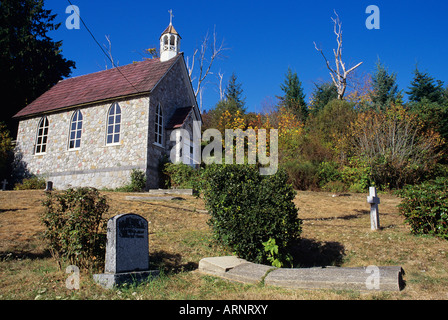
[234, 95]
[322, 94]
[294, 98]
[424, 86]
[384, 88]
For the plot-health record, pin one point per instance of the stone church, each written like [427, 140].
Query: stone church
[93, 130]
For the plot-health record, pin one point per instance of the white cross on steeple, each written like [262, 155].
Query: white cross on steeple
[171, 16]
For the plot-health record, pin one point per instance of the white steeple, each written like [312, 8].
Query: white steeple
[169, 41]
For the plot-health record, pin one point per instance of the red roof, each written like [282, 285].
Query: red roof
[135, 78]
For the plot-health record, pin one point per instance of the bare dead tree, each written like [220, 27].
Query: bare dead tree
[109, 52]
[205, 59]
[220, 76]
[340, 74]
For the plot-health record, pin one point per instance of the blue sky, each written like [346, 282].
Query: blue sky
[264, 38]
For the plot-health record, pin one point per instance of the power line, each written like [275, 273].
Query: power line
[91, 34]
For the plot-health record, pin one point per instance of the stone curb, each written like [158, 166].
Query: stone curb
[370, 278]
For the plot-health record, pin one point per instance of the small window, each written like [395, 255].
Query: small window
[42, 136]
[113, 124]
[159, 126]
[165, 42]
[74, 141]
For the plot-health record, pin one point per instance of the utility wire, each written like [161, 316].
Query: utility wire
[91, 34]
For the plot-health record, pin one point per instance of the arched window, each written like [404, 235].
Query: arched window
[113, 124]
[159, 126]
[42, 136]
[74, 141]
[165, 42]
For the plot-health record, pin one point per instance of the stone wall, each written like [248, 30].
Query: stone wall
[172, 92]
[94, 163]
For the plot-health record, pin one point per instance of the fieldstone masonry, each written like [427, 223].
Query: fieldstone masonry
[94, 163]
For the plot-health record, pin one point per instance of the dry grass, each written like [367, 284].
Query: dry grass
[336, 231]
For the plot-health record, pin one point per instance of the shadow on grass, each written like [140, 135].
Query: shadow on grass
[16, 255]
[311, 253]
[170, 262]
[358, 214]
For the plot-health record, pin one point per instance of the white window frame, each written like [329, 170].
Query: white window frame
[42, 136]
[158, 126]
[76, 130]
[113, 121]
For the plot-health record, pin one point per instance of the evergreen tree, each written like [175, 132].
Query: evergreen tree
[424, 86]
[30, 61]
[384, 88]
[445, 96]
[233, 101]
[294, 98]
[234, 96]
[322, 94]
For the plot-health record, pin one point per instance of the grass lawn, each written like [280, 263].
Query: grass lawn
[336, 231]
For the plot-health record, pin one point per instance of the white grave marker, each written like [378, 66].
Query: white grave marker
[374, 213]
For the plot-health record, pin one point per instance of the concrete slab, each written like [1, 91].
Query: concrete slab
[248, 273]
[219, 265]
[360, 278]
[388, 278]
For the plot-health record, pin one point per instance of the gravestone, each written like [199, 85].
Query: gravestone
[127, 253]
[4, 183]
[374, 213]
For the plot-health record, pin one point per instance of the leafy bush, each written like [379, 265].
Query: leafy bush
[138, 180]
[74, 227]
[137, 184]
[425, 207]
[32, 183]
[357, 175]
[248, 209]
[183, 176]
[395, 145]
[328, 171]
[303, 175]
[334, 186]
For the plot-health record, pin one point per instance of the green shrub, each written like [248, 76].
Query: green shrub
[248, 209]
[74, 227]
[303, 175]
[328, 171]
[138, 180]
[137, 184]
[334, 186]
[183, 176]
[32, 183]
[425, 207]
[357, 175]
